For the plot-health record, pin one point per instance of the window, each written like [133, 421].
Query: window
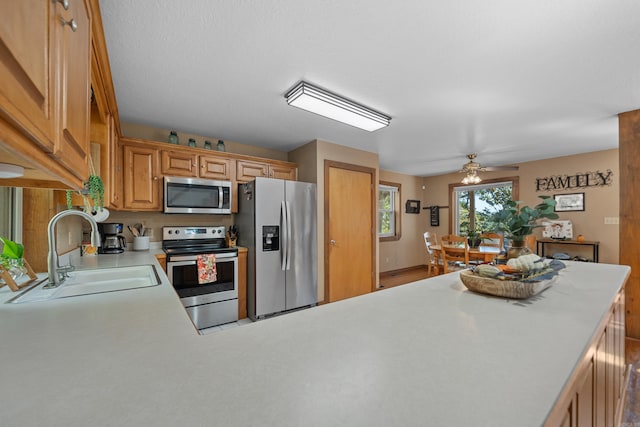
[388, 211]
[11, 213]
[473, 205]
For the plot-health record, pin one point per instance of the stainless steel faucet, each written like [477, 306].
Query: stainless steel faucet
[57, 274]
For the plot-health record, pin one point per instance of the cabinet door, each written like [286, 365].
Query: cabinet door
[141, 180]
[176, 163]
[247, 170]
[215, 168]
[72, 141]
[27, 68]
[283, 172]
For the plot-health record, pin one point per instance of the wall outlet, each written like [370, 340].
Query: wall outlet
[70, 238]
[611, 220]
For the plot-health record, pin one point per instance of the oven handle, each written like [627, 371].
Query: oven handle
[283, 228]
[193, 258]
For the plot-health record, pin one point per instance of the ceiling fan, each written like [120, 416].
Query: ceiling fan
[471, 169]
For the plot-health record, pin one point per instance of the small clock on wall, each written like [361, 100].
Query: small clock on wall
[412, 206]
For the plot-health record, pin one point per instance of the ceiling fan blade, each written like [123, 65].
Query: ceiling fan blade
[500, 168]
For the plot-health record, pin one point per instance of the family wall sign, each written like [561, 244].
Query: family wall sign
[577, 180]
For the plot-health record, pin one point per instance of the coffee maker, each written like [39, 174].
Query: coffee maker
[112, 241]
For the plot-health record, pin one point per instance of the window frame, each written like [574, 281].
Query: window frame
[453, 226]
[397, 214]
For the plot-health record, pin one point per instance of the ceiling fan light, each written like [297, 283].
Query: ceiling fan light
[471, 178]
[332, 106]
[10, 171]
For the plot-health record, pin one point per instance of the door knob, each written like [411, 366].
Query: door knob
[332, 242]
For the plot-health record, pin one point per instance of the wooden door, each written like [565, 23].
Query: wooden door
[141, 180]
[27, 67]
[72, 142]
[38, 207]
[349, 223]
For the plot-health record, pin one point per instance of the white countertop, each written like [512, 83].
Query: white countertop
[428, 353]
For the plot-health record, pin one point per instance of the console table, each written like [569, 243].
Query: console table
[541, 246]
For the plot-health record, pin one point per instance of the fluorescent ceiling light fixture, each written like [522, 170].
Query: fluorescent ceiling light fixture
[330, 105]
[10, 171]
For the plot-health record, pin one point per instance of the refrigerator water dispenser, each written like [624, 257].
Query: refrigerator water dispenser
[270, 238]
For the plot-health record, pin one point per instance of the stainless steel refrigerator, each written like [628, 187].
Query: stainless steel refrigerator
[277, 222]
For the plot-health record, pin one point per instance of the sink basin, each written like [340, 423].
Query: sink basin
[99, 280]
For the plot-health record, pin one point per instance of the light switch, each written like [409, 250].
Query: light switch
[611, 220]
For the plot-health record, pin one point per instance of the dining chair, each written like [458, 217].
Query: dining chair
[492, 239]
[434, 262]
[455, 252]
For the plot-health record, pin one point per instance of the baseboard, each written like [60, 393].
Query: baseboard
[392, 273]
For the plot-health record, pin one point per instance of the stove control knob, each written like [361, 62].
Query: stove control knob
[177, 231]
[170, 232]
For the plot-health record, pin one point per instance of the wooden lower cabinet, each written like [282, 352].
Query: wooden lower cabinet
[594, 395]
[162, 260]
[242, 283]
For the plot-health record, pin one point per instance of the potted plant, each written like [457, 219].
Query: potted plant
[93, 191]
[517, 222]
[474, 238]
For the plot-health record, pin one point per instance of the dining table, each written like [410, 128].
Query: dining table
[482, 253]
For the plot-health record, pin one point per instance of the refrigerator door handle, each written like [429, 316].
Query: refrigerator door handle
[289, 243]
[284, 237]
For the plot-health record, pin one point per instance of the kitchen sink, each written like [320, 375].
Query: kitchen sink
[95, 281]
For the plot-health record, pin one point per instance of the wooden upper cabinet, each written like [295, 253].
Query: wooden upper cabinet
[179, 163]
[74, 50]
[27, 66]
[141, 179]
[189, 164]
[287, 172]
[215, 168]
[45, 91]
[247, 170]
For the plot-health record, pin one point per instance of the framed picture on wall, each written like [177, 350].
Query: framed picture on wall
[569, 202]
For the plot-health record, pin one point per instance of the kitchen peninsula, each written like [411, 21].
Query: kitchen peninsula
[427, 353]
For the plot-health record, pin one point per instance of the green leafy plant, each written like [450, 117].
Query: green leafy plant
[519, 221]
[10, 251]
[93, 190]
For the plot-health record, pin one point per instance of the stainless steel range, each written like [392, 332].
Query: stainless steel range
[215, 301]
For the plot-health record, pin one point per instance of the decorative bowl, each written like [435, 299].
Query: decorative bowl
[503, 288]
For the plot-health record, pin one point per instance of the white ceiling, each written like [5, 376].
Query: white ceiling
[511, 80]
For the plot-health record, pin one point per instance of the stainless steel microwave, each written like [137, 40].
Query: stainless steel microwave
[196, 196]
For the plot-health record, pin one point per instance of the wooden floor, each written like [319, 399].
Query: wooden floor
[402, 277]
[631, 416]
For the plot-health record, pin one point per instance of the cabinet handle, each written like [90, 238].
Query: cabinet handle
[72, 23]
[155, 178]
[64, 3]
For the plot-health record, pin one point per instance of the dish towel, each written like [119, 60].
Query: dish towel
[207, 269]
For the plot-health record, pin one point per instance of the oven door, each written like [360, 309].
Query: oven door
[182, 271]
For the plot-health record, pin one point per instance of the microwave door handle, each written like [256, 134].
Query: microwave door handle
[220, 196]
[283, 239]
[289, 246]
